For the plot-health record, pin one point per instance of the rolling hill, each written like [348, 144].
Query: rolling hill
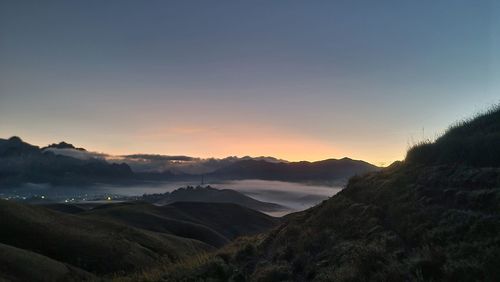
[90, 244]
[215, 224]
[212, 195]
[114, 238]
[22, 265]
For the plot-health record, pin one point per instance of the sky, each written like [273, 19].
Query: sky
[297, 80]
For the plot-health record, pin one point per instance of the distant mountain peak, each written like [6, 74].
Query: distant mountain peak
[15, 139]
[63, 145]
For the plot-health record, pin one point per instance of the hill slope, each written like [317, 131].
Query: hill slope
[58, 242]
[215, 224]
[433, 217]
[91, 244]
[22, 265]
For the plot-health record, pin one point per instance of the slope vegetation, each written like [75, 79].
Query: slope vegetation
[93, 245]
[212, 223]
[21, 265]
[59, 242]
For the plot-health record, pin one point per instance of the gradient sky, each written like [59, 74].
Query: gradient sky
[299, 80]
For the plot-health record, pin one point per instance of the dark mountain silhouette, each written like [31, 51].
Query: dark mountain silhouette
[183, 165]
[63, 145]
[57, 164]
[211, 195]
[433, 217]
[329, 170]
[21, 163]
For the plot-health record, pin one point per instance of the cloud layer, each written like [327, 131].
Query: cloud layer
[160, 163]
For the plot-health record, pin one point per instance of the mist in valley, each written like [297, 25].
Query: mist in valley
[294, 196]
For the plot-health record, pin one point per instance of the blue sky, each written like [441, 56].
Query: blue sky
[293, 79]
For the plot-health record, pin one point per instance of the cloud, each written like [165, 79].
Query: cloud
[77, 154]
[159, 163]
[180, 164]
[150, 157]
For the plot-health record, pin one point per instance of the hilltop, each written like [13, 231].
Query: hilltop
[212, 195]
[433, 217]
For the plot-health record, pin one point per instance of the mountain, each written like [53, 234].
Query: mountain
[65, 164]
[433, 217]
[326, 170]
[63, 145]
[22, 163]
[42, 243]
[211, 195]
[181, 165]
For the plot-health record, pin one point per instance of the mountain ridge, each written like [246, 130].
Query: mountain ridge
[64, 164]
[329, 169]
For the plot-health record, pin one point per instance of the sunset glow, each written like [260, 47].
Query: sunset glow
[293, 81]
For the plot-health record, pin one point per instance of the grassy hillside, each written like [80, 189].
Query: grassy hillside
[94, 245]
[228, 219]
[472, 142]
[21, 265]
[58, 242]
[433, 217]
[212, 223]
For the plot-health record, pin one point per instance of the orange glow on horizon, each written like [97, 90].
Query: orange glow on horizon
[246, 141]
[240, 141]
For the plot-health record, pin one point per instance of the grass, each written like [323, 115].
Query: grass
[115, 241]
[215, 224]
[471, 142]
[21, 265]
[98, 246]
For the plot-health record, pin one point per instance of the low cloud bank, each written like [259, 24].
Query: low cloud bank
[159, 163]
